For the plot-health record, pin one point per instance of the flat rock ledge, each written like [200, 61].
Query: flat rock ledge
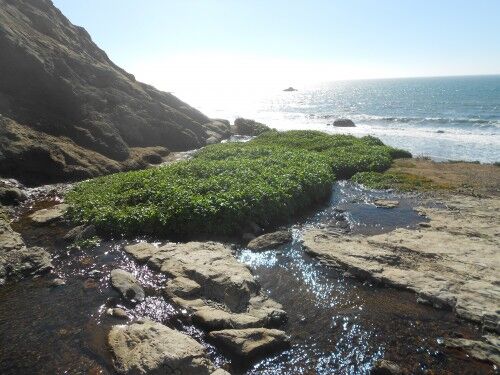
[207, 280]
[451, 262]
[151, 348]
[487, 350]
[270, 240]
[17, 260]
[49, 215]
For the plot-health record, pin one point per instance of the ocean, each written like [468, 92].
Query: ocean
[445, 118]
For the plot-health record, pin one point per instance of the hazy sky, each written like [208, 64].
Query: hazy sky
[171, 43]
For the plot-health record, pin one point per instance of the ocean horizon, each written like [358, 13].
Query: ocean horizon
[444, 118]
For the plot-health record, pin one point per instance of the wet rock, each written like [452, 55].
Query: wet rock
[262, 312]
[89, 284]
[344, 123]
[152, 348]
[11, 195]
[141, 251]
[487, 350]
[9, 239]
[26, 262]
[127, 285]
[248, 127]
[117, 312]
[49, 215]
[182, 287]
[220, 371]
[80, 233]
[384, 367]
[386, 203]
[251, 342]
[270, 240]
[454, 263]
[211, 265]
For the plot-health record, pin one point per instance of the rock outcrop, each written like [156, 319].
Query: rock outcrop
[248, 127]
[152, 348]
[487, 350]
[207, 280]
[452, 261]
[50, 215]
[68, 112]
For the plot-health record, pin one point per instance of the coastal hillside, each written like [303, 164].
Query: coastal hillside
[68, 112]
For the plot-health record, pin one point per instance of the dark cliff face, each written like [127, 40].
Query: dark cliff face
[55, 81]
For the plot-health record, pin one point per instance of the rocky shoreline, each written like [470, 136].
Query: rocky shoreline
[449, 261]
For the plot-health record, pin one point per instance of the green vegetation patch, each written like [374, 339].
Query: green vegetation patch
[347, 154]
[219, 192]
[227, 187]
[396, 180]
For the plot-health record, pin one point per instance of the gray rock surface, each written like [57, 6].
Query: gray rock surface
[270, 240]
[386, 203]
[486, 350]
[49, 215]
[141, 251]
[250, 342]
[70, 112]
[154, 349]
[206, 279]
[453, 262]
[16, 260]
[385, 367]
[127, 285]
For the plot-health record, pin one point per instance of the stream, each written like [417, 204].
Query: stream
[337, 324]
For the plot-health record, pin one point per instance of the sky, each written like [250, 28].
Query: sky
[181, 45]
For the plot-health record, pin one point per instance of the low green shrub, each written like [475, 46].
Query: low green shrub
[348, 154]
[220, 192]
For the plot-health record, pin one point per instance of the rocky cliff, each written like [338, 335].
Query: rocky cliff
[67, 108]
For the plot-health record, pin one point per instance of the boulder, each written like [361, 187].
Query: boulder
[80, 233]
[220, 371]
[207, 280]
[248, 127]
[222, 278]
[154, 349]
[117, 312]
[127, 285]
[250, 342]
[16, 260]
[344, 123]
[386, 203]
[11, 195]
[270, 240]
[26, 262]
[49, 215]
